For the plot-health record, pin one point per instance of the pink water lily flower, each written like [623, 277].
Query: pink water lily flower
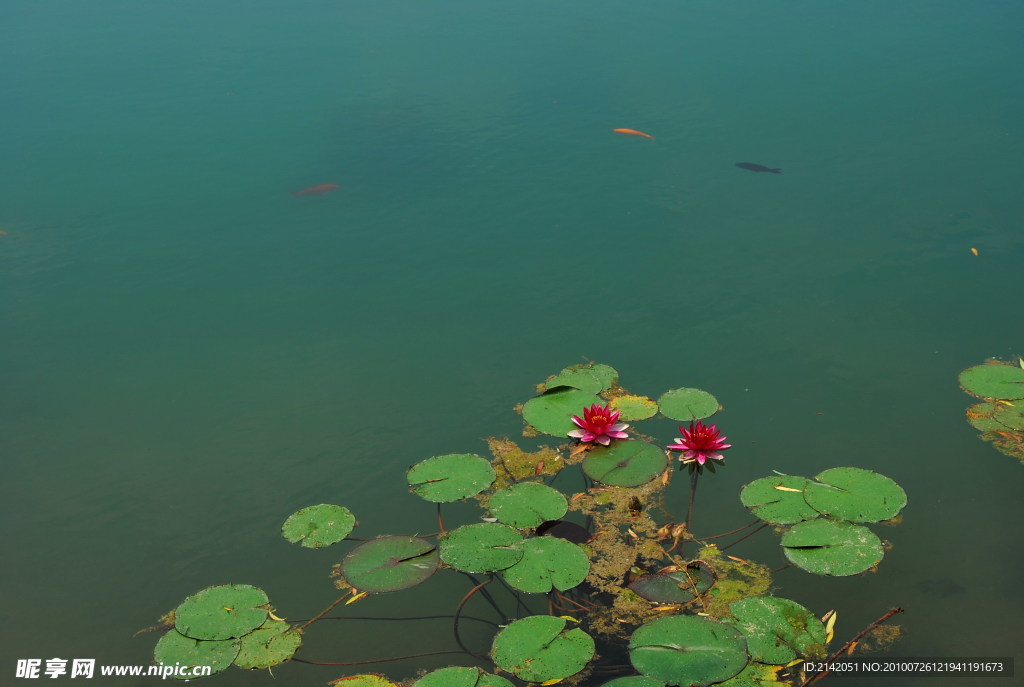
[700, 443]
[598, 424]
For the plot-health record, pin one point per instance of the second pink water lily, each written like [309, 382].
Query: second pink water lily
[598, 424]
[700, 443]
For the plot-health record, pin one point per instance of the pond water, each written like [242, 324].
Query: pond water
[191, 352]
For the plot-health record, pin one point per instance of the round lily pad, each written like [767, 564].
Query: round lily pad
[688, 650]
[539, 648]
[688, 404]
[634, 681]
[456, 676]
[634, 407]
[551, 413]
[527, 505]
[675, 587]
[269, 645]
[997, 380]
[450, 478]
[777, 630]
[318, 526]
[1011, 417]
[364, 680]
[980, 417]
[855, 494]
[625, 463]
[222, 612]
[548, 562]
[483, 547]
[827, 547]
[175, 648]
[592, 377]
[785, 505]
[388, 564]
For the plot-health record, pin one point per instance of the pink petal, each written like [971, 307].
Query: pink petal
[604, 440]
[577, 433]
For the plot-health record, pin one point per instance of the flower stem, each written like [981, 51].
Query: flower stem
[693, 493]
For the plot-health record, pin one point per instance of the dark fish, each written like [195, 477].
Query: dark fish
[754, 167]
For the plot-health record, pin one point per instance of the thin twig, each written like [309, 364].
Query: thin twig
[324, 612]
[440, 523]
[487, 595]
[375, 660]
[726, 534]
[458, 610]
[751, 533]
[844, 647]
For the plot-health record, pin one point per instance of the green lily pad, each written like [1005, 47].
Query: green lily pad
[757, 675]
[548, 562]
[1011, 417]
[996, 380]
[688, 404]
[539, 648]
[223, 612]
[688, 650]
[675, 587]
[551, 413]
[777, 630]
[364, 680]
[592, 377]
[827, 547]
[634, 681]
[625, 463]
[456, 676]
[450, 478]
[318, 526]
[483, 547]
[269, 645]
[388, 564]
[634, 408]
[855, 494]
[527, 505]
[175, 648]
[980, 417]
[778, 506]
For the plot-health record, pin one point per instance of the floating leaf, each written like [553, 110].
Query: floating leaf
[855, 494]
[688, 404]
[527, 505]
[1011, 417]
[364, 680]
[757, 675]
[780, 506]
[222, 612]
[269, 645]
[563, 529]
[450, 478]
[318, 526]
[675, 587]
[634, 681]
[688, 650]
[980, 417]
[175, 648]
[551, 413]
[548, 562]
[484, 547]
[625, 463]
[540, 647]
[388, 564]
[634, 408]
[777, 630]
[826, 547]
[461, 677]
[997, 380]
[592, 378]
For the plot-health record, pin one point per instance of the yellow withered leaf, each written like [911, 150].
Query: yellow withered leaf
[670, 607]
[738, 560]
[569, 617]
[355, 598]
[781, 488]
[853, 645]
[274, 617]
[830, 624]
[553, 682]
[974, 250]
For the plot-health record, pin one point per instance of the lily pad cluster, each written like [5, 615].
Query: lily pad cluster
[824, 538]
[609, 571]
[224, 625]
[1000, 414]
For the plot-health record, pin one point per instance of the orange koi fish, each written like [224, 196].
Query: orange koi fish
[632, 132]
[316, 190]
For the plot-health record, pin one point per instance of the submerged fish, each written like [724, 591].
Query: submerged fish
[632, 132]
[316, 190]
[754, 167]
